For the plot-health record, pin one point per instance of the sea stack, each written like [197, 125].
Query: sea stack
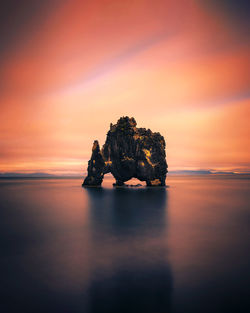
[129, 152]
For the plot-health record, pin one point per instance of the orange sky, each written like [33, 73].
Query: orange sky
[179, 67]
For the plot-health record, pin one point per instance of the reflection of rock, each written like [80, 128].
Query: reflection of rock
[138, 289]
[130, 271]
[128, 212]
[128, 152]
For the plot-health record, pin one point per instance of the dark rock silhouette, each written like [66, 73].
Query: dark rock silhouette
[128, 152]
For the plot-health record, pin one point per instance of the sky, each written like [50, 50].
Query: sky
[69, 68]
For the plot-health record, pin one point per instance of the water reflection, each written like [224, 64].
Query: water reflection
[129, 267]
[67, 249]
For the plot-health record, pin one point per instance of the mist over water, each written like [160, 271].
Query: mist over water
[184, 248]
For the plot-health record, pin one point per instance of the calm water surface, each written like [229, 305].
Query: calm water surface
[182, 249]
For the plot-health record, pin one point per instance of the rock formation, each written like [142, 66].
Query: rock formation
[128, 152]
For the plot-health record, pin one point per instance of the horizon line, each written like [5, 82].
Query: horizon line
[76, 175]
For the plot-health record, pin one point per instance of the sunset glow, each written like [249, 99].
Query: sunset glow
[72, 67]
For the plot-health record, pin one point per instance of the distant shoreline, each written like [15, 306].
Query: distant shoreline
[202, 173]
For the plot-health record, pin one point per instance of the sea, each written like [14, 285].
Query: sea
[68, 249]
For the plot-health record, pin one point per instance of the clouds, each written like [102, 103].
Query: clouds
[19, 20]
[237, 12]
[72, 67]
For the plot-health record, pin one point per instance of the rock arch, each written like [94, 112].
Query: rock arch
[129, 152]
